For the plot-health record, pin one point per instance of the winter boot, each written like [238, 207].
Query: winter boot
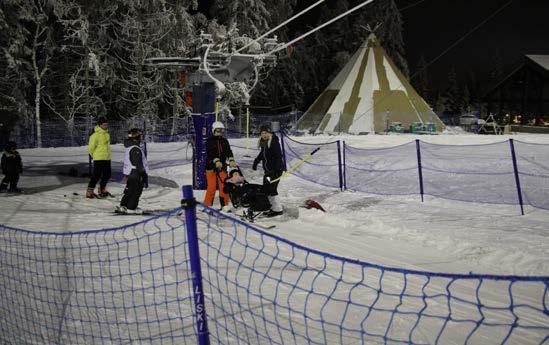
[90, 194]
[121, 209]
[3, 187]
[271, 213]
[103, 193]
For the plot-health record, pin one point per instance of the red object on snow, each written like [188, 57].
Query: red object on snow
[313, 204]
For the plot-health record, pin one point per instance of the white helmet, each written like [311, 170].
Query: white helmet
[217, 125]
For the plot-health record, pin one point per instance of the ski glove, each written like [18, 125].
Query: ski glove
[218, 165]
[232, 163]
[256, 162]
[145, 178]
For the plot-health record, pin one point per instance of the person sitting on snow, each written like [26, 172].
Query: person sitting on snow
[136, 170]
[12, 166]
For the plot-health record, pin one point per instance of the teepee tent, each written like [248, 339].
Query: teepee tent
[367, 95]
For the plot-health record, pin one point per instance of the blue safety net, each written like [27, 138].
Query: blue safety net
[323, 168]
[129, 285]
[264, 289]
[133, 285]
[533, 170]
[477, 173]
[391, 170]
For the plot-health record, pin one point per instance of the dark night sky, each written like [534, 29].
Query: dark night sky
[433, 25]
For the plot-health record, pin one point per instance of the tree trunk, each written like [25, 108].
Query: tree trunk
[175, 115]
[37, 114]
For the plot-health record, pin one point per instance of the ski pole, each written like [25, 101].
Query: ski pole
[295, 166]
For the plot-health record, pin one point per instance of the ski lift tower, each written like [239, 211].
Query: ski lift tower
[236, 59]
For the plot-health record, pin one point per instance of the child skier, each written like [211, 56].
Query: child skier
[218, 152]
[11, 167]
[136, 169]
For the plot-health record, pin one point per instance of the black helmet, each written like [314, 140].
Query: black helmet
[265, 128]
[135, 133]
[11, 146]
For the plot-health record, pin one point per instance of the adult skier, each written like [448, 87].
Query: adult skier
[219, 153]
[12, 166]
[136, 170]
[273, 166]
[99, 149]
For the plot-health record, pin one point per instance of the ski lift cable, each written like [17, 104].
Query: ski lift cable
[281, 25]
[284, 46]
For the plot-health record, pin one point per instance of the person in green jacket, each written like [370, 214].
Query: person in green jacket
[99, 149]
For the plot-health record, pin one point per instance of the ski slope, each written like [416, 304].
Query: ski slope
[398, 231]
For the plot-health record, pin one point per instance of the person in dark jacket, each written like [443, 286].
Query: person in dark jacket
[136, 170]
[218, 152]
[273, 166]
[12, 166]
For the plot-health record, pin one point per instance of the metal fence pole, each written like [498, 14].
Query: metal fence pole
[420, 170]
[145, 146]
[281, 132]
[340, 165]
[517, 179]
[90, 160]
[344, 168]
[188, 203]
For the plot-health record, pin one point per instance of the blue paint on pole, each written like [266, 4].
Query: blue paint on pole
[420, 170]
[188, 203]
[517, 179]
[202, 130]
[340, 165]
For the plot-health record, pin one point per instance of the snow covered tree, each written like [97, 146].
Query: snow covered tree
[497, 67]
[35, 24]
[13, 69]
[249, 16]
[421, 80]
[389, 33]
[452, 103]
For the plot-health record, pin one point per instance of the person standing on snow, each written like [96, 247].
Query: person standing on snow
[99, 149]
[12, 166]
[218, 152]
[136, 170]
[273, 166]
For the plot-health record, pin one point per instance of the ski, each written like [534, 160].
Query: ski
[245, 218]
[141, 213]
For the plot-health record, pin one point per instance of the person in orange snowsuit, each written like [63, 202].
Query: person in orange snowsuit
[219, 155]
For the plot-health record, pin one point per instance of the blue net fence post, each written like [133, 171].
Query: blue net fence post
[340, 165]
[90, 161]
[283, 149]
[517, 179]
[188, 203]
[145, 145]
[344, 167]
[420, 172]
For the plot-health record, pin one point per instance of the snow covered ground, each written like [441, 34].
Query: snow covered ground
[400, 231]
[124, 285]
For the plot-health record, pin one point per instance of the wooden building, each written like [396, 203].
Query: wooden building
[522, 96]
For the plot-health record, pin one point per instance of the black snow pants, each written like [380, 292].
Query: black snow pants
[101, 173]
[133, 190]
[11, 180]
